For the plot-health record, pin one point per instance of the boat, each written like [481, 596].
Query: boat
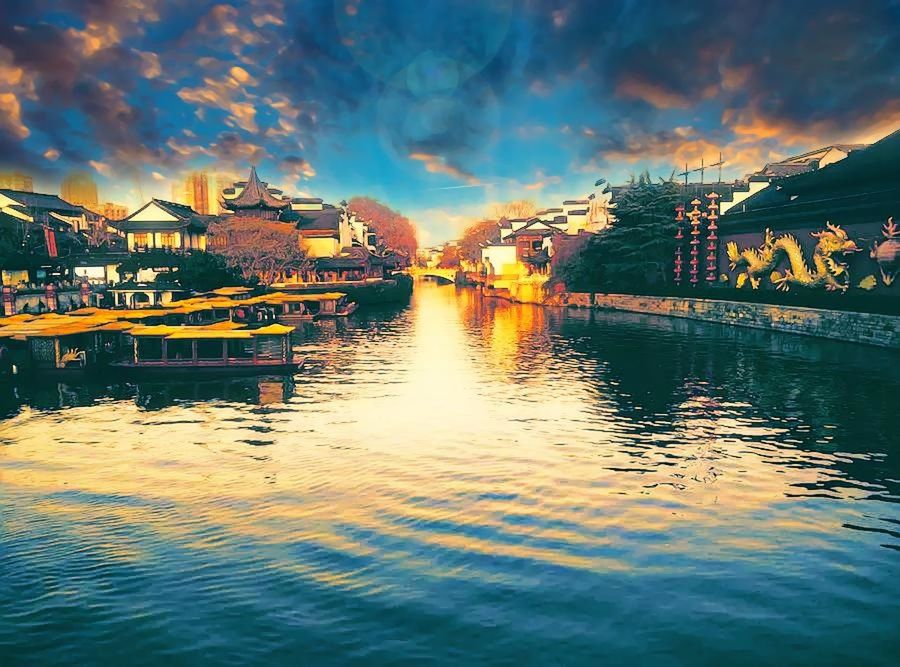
[208, 349]
[333, 304]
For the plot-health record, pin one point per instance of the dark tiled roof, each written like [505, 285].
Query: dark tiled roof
[350, 258]
[306, 200]
[572, 202]
[38, 200]
[255, 195]
[862, 187]
[186, 217]
[327, 219]
[531, 228]
[581, 211]
[7, 220]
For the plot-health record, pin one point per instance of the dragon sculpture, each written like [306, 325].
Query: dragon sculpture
[887, 253]
[828, 271]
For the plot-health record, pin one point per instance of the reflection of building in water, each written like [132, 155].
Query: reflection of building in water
[262, 390]
[274, 390]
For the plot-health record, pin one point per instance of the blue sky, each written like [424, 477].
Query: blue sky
[437, 109]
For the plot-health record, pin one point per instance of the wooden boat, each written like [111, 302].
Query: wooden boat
[168, 349]
[333, 304]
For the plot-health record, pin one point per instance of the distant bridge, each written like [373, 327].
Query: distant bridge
[446, 275]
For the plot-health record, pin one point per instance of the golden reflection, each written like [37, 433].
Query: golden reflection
[431, 442]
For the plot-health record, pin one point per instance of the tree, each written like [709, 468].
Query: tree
[259, 249]
[449, 258]
[476, 234]
[98, 235]
[520, 208]
[393, 229]
[204, 272]
[636, 251]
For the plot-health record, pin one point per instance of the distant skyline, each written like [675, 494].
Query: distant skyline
[437, 110]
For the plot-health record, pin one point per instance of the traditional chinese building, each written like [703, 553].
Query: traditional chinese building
[44, 209]
[846, 203]
[254, 199]
[164, 225]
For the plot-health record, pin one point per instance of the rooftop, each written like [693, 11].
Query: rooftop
[256, 195]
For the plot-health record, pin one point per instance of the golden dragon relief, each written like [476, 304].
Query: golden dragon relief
[827, 271]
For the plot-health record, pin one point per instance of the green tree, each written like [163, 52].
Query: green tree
[636, 251]
[204, 271]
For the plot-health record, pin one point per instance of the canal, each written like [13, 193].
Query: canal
[463, 481]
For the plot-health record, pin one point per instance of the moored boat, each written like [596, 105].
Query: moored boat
[168, 349]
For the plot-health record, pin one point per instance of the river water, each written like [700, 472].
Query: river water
[465, 481]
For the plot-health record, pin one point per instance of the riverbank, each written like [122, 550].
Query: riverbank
[882, 330]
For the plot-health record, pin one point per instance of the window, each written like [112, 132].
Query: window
[240, 348]
[149, 349]
[269, 347]
[179, 350]
[210, 349]
[168, 239]
[140, 240]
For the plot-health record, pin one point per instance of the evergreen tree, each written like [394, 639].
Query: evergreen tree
[636, 251]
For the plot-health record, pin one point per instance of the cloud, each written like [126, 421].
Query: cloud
[296, 167]
[11, 116]
[150, 67]
[101, 167]
[435, 164]
[541, 181]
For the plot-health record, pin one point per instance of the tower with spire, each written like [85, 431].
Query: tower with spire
[256, 200]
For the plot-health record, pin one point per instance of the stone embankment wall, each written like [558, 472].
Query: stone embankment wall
[868, 328]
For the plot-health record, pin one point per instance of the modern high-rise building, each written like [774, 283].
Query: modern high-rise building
[112, 211]
[193, 191]
[16, 180]
[80, 189]
[202, 191]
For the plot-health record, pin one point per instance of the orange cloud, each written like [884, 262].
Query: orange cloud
[435, 164]
[11, 116]
[542, 181]
[631, 86]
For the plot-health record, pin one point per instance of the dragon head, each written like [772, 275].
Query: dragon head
[834, 240]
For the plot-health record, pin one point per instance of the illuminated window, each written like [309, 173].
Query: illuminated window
[168, 239]
[140, 239]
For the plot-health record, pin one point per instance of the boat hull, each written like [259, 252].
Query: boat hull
[135, 370]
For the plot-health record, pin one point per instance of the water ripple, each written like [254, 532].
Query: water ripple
[464, 481]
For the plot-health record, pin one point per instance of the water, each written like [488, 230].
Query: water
[465, 482]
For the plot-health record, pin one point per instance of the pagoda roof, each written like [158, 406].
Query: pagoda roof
[256, 195]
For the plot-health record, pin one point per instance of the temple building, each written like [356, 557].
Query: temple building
[254, 199]
[44, 209]
[164, 225]
[852, 202]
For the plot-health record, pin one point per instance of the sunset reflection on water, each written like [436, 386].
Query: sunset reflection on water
[465, 479]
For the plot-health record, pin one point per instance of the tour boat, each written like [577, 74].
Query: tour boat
[215, 349]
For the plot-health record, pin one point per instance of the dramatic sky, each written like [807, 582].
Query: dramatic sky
[437, 108]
